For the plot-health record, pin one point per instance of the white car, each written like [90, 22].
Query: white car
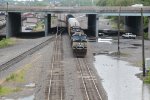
[100, 34]
[137, 5]
[129, 36]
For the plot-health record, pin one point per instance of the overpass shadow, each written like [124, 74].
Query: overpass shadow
[2, 36]
[31, 35]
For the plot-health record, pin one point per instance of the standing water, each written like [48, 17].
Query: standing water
[119, 80]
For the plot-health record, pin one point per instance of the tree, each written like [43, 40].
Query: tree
[122, 2]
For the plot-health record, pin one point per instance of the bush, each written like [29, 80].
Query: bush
[6, 42]
[147, 79]
[146, 35]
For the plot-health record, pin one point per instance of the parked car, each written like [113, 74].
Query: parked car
[128, 36]
[137, 5]
[28, 28]
[100, 34]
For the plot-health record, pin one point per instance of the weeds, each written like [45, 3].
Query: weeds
[19, 76]
[147, 78]
[6, 42]
[39, 27]
[7, 90]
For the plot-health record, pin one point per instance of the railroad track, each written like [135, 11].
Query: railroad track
[88, 83]
[55, 88]
[24, 55]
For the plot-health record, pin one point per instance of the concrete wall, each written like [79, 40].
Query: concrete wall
[93, 25]
[13, 24]
[148, 27]
[133, 24]
[47, 24]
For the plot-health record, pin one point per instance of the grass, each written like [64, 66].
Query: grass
[18, 76]
[7, 90]
[147, 78]
[39, 27]
[6, 42]
[146, 36]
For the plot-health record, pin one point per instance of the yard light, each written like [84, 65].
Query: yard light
[119, 32]
[143, 53]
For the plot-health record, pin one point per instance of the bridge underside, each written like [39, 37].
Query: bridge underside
[133, 24]
[14, 25]
[92, 25]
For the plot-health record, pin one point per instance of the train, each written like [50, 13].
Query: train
[77, 36]
[2, 23]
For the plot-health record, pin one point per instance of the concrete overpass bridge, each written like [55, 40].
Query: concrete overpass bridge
[132, 16]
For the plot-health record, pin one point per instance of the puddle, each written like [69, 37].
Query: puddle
[133, 47]
[27, 98]
[105, 40]
[119, 80]
[137, 44]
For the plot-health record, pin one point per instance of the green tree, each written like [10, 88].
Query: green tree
[122, 2]
[102, 3]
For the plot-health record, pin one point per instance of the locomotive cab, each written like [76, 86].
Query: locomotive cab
[79, 43]
[75, 29]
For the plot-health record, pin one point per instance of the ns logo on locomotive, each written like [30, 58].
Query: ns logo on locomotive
[78, 37]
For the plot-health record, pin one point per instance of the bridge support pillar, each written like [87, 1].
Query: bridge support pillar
[148, 27]
[47, 23]
[93, 25]
[133, 24]
[13, 25]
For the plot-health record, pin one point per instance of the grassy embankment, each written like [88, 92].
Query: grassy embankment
[16, 77]
[6, 42]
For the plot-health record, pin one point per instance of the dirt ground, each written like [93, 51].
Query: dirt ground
[37, 67]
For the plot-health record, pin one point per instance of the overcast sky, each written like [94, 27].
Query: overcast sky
[27, 0]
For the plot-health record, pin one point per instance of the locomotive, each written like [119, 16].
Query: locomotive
[77, 36]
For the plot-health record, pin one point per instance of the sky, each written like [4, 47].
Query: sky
[27, 0]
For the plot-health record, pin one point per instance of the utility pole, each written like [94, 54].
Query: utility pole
[143, 53]
[119, 32]
[7, 7]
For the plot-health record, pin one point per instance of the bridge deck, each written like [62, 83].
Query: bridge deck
[88, 10]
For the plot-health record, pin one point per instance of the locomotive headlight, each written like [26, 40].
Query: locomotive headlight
[80, 45]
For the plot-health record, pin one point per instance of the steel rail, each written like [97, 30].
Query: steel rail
[50, 82]
[51, 72]
[20, 57]
[87, 66]
[56, 57]
[61, 82]
[83, 81]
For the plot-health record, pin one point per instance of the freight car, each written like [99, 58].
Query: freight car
[2, 23]
[78, 38]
